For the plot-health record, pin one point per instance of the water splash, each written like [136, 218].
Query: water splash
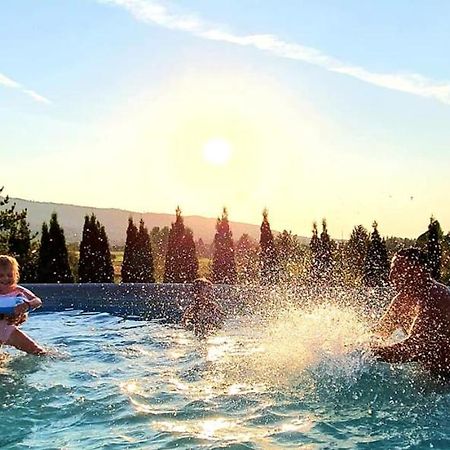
[281, 349]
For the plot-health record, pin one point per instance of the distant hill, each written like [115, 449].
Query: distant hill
[71, 218]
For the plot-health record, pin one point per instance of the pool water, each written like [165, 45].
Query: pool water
[296, 381]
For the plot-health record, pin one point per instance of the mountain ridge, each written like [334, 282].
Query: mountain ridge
[115, 220]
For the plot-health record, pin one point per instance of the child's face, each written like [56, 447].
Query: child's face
[6, 276]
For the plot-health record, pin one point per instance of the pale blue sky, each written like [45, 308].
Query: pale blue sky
[85, 87]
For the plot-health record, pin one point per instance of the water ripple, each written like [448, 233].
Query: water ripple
[115, 383]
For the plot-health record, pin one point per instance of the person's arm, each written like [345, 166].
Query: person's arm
[32, 300]
[406, 350]
[394, 317]
[188, 316]
[220, 313]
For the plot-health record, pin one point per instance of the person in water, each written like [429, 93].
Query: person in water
[203, 315]
[10, 334]
[422, 309]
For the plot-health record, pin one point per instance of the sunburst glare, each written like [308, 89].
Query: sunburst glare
[217, 151]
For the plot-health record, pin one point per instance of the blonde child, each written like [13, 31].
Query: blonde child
[203, 315]
[9, 331]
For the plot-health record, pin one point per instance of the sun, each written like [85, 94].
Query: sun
[217, 151]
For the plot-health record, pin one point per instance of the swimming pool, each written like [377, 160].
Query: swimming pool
[294, 381]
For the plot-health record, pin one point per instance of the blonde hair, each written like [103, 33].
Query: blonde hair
[9, 262]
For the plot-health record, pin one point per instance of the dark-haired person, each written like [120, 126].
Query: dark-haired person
[203, 315]
[422, 308]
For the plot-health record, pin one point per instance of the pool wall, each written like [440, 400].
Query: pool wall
[167, 301]
[145, 301]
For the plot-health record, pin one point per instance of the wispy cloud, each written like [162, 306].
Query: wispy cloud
[154, 12]
[9, 83]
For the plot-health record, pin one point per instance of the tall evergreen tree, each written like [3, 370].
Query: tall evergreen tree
[292, 255]
[44, 271]
[20, 246]
[356, 253]
[434, 248]
[129, 265]
[284, 245]
[246, 254]
[203, 250]
[314, 247]
[325, 252]
[445, 262]
[269, 263]
[181, 264]
[9, 221]
[224, 265]
[61, 258]
[376, 266]
[86, 262]
[95, 264]
[53, 261]
[159, 239]
[19, 241]
[106, 272]
[144, 255]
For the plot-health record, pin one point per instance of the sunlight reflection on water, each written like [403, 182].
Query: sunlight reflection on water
[297, 379]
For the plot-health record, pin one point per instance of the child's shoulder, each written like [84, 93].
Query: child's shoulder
[22, 290]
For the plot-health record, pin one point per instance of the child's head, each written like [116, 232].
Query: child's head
[202, 288]
[9, 270]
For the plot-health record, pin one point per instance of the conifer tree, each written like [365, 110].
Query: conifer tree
[181, 265]
[86, 264]
[144, 256]
[20, 246]
[292, 255]
[203, 250]
[106, 272]
[314, 247]
[269, 263]
[95, 264]
[45, 256]
[19, 241]
[376, 266]
[191, 268]
[53, 261]
[61, 254]
[356, 253]
[434, 248]
[284, 246]
[9, 221]
[325, 252]
[247, 258]
[129, 265]
[224, 265]
[159, 239]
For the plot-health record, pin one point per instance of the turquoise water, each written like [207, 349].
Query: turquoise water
[296, 381]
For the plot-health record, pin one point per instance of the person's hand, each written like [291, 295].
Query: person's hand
[20, 314]
[384, 352]
[21, 309]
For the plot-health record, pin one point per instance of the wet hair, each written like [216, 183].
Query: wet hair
[200, 283]
[415, 255]
[9, 262]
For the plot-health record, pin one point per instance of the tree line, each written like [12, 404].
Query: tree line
[173, 256]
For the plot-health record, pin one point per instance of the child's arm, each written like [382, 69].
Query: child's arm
[32, 300]
[188, 316]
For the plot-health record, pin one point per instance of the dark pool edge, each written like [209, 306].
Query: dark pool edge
[140, 300]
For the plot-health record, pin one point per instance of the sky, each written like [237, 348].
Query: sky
[312, 109]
